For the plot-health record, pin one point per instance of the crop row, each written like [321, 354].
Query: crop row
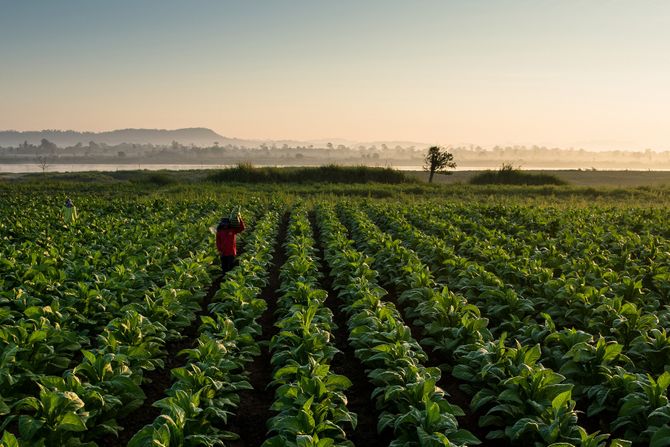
[519, 398]
[406, 392]
[627, 276]
[49, 317]
[621, 393]
[310, 403]
[205, 391]
[84, 401]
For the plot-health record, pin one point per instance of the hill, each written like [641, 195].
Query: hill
[198, 135]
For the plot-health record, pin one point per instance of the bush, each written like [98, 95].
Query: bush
[247, 173]
[509, 175]
[159, 179]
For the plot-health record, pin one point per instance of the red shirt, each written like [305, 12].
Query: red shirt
[226, 242]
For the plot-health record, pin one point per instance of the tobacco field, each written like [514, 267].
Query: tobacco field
[347, 321]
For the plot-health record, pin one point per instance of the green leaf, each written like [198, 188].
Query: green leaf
[37, 336]
[340, 381]
[28, 427]
[275, 441]
[464, 437]
[510, 395]
[163, 434]
[306, 421]
[462, 372]
[304, 441]
[8, 440]
[89, 356]
[561, 399]
[72, 422]
[662, 436]
[286, 371]
[4, 408]
[146, 437]
[532, 355]
[612, 351]
[33, 312]
[433, 415]
[663, 380]
[520, 427]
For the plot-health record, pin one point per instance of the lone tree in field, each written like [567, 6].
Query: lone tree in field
[45, 152]
[438, 160]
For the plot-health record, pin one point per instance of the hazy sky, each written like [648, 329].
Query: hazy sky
[593, 74]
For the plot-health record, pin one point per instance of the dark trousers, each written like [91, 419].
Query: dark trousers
[227, 263]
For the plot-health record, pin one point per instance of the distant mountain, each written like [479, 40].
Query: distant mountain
[197, 135]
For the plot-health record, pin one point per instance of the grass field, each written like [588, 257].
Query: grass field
[618, 179]
[358, 314]
[590, 178]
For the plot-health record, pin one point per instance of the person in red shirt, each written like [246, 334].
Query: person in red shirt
[226, 242]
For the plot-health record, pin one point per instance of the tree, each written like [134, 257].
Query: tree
[43, 161]
[438, 160]
[45, 152]
[47, 146]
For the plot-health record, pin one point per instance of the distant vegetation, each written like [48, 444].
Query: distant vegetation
[509, 175]
[200, 146]
[247, 173]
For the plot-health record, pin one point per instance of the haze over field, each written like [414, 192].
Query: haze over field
[590, 75]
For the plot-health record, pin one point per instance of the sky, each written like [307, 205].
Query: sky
[568, 73]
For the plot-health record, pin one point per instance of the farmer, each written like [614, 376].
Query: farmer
[69, 212]
[226, 242]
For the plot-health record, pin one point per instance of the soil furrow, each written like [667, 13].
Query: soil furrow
[450, 384]
[254, 410]
[346, 364]
[160, 380]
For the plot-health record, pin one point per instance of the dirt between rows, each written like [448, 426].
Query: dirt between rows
[250, 420]
[157, 382]
[346, 364]
[450, 384]
[254, 411]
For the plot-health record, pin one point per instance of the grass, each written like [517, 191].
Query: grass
[198, 182]
[247, 173]
[509, 175]
[573, 177]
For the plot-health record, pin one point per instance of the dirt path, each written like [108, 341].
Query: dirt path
[254, 410]
[360, 402]
[450, 384]
[160, 380]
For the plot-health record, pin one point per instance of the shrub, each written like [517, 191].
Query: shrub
[509, 175]
[160, 179]
[247, 173]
